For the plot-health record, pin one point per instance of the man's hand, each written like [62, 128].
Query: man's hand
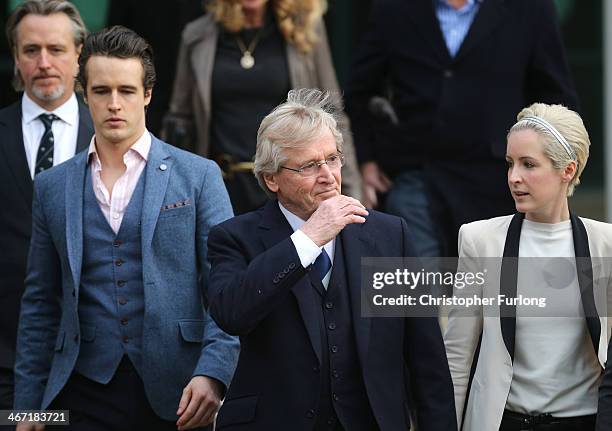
[199, 404]
[30, 426]
[374, 180]
[331, 217]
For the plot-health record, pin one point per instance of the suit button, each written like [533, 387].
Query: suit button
[76, 338]
[286, 271]
[329, 305]
[331, 421]
[334, 349]
[73, 292]
[120, 283]
[310, 413]
[336, 397]
[281, 275]
[291, 265]
[315, 369]
[124, 322]
[449, 73]
[332, 326]
[116, 243]
[275, 281]
[335, 374]
[125, 338]
[122, 301]
[119, 262]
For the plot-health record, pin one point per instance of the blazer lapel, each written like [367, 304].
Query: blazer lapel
[75, 185]
[508, 280]
[584, 271]
[86, 129]
[489, 16]
[274, 228]
[356, 243]
[14, 151]
[157, 174]
[423, 16]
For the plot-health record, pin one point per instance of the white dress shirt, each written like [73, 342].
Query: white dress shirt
[307, 250]
[65, 130]
[113, 203]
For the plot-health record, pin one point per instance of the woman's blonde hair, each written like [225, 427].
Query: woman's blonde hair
[296, 19]
[569, 124]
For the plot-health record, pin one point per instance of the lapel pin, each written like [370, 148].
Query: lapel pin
[163, 167]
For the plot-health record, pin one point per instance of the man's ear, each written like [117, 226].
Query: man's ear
[148, 93]
[271, 182]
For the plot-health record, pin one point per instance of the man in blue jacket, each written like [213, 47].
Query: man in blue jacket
[113, 324]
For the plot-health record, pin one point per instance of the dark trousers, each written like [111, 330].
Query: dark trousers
[120, 405]
[518, 422]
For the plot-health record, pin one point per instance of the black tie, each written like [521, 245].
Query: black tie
[322, 265]
[44, 158]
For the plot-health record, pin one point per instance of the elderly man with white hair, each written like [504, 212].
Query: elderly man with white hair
[286, 279]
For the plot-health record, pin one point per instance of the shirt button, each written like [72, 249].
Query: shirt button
[332, 326]
[334, 349]
[329, 305]
[116, 216]
[122, 301]
[121, 283]
[119, 262]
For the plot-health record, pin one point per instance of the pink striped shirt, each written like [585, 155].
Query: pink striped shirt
[113, 205]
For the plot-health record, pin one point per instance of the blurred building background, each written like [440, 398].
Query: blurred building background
[584, 33]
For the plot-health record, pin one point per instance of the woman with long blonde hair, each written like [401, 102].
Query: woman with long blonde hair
[235, 65]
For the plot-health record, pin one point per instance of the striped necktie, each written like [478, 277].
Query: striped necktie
[44, 157]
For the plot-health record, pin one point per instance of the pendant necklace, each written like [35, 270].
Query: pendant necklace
[247, 61]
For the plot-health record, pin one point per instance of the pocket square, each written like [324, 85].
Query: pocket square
[177, 204]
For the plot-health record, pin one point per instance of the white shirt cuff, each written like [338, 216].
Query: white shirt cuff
[306, 249]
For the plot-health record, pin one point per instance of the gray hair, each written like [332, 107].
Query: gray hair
[45, 8]
[295, 124]
[569, 124]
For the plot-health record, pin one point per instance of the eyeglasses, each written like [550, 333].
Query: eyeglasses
[311, 169]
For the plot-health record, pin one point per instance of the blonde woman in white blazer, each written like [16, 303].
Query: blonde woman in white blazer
[516, 372]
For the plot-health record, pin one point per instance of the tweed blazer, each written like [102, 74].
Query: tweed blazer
[183, 198]
[190, 105]
[486, 392]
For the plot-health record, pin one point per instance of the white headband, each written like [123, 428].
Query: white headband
[553, 131]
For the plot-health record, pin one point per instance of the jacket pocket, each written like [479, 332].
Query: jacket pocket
[88, 332]
[192, 331]
[237, 411]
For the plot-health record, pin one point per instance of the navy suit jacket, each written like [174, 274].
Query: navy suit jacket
[180, 339]
[16, 219]
[260, 291]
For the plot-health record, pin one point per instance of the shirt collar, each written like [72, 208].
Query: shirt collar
[293, 220]
[141, 147]
[68, 112]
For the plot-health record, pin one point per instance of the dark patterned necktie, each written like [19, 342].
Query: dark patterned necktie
[44, 158]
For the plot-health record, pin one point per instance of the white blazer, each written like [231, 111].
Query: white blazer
[491, 382]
